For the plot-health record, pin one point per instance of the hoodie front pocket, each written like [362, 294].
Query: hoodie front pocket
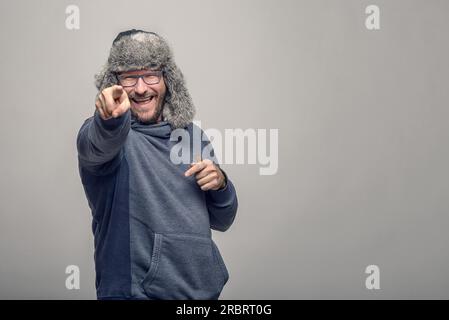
[185, 267]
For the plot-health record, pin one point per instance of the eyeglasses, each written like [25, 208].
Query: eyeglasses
[149, 78]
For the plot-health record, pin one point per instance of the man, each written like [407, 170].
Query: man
[152, 218]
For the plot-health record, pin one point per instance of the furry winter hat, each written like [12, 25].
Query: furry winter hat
[136, 50]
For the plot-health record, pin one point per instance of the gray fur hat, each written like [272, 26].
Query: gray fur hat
[136, 50]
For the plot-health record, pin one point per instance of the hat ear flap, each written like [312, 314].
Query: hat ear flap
[178, 109]
[104, 78]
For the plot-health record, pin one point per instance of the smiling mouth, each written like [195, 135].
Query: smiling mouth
[143, 101]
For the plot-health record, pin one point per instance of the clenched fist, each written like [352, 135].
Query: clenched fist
[112, 102]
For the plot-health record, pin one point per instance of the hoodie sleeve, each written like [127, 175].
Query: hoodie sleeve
[222, 206]
[100, 142]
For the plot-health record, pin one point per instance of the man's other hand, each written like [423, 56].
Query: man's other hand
[207, 174]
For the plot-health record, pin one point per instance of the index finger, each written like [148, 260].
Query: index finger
[197, 167]
[123, 97]
[117, 92]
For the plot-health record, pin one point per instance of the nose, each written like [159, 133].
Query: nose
[140, 87]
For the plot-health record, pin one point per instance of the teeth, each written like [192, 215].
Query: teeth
[145, 100]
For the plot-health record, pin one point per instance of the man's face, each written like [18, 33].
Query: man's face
[146, 100]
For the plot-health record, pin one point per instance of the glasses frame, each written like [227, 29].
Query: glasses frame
[158, 73]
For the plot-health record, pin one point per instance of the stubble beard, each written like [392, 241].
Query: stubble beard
[142, 118]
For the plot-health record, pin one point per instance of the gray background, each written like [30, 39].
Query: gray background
[363, 132]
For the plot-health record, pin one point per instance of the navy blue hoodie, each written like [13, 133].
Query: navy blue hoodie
[151, 224]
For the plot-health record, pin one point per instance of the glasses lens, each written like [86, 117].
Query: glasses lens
[151, 78]
[127, 81]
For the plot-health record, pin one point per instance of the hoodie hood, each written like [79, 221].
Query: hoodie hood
[136, 50]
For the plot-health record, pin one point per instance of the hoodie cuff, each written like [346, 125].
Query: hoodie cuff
[225, 194]
[112, 123]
